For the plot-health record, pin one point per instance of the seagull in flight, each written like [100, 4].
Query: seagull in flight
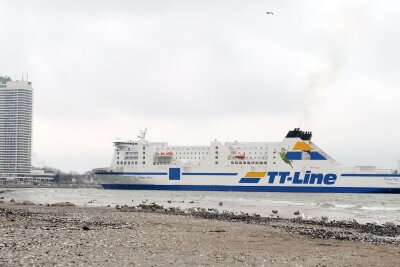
[269, 13]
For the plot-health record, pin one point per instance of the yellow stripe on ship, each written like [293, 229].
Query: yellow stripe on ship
[302, 146]
[255, 174]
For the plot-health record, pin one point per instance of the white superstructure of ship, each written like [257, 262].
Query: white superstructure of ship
[295, 164]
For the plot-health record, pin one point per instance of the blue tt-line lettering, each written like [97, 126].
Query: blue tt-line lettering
[272, 176]
[283, 176]
[298, 179]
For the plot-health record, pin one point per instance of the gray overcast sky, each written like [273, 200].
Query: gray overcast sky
[192, 71]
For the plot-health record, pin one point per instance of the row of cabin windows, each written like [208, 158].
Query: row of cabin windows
[191, 153]
[127, 163]
[128, 158]
[182, 148]
[254, 158]
[232, 162]
[135, 157]
[164, 163]
[130, 149]
[250, 148]
[190, 158]
[248, 162]
[204, 148]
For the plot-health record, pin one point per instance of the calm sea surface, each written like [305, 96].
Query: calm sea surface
[364, 208]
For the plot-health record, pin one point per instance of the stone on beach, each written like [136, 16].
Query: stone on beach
[27, 202]
[390, 224]
[62, 204]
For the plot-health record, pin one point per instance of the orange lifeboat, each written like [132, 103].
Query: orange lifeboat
[240, 156]
[168, 153]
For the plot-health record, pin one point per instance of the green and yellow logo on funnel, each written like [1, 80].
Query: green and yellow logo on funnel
[284, 158]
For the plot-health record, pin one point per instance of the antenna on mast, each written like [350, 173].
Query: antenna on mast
[142, 134]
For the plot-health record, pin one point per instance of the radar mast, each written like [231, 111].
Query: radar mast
[142, 134]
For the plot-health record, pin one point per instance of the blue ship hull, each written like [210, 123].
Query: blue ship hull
[241, 188]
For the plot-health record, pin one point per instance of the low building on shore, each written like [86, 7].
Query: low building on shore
[37, 176]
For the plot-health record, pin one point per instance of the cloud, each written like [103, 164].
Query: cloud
[341, 29]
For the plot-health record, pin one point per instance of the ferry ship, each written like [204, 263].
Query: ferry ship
[294, 165]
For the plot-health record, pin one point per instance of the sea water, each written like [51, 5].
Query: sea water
[372, 208]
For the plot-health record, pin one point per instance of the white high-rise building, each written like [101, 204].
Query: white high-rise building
[15, 128]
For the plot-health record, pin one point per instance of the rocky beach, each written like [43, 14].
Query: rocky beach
[150, 235]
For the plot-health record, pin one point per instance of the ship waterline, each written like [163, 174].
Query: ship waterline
[294, 165]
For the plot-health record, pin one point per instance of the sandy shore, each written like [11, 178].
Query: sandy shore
[47, 236]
